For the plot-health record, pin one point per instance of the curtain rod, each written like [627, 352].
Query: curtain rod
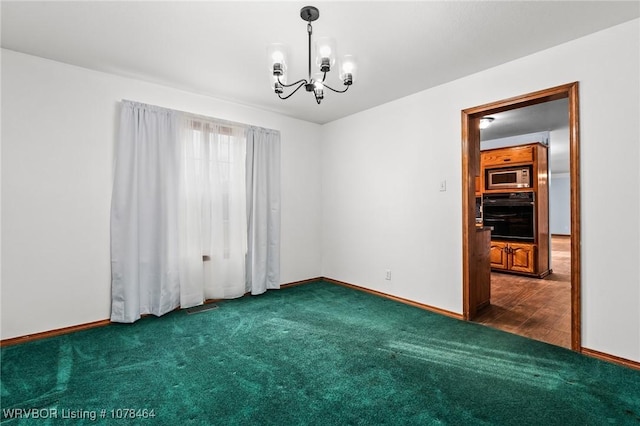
[203, 117]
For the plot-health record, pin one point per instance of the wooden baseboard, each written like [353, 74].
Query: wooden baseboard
[295, 283]
[101, 323]
[396, 298]
[611, 358]
[53, 333]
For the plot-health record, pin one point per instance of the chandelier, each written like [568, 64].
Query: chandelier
[325, 48]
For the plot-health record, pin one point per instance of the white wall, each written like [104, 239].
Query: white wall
[377, 184]
[559, 161]
[559, 183]
[382, 208]
[560, 204]
[58, 133]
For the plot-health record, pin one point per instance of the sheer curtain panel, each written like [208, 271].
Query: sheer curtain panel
[144, 227]
[213, 224]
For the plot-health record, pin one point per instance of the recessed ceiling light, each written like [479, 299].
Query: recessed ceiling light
[486, 122]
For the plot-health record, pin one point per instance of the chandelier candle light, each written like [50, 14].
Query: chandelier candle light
[325, 59]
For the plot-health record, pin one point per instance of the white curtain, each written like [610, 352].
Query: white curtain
[263, 210]
[213, 225]
[144, 227]
[195, 211]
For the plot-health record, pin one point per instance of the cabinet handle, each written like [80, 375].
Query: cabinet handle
[506, 159]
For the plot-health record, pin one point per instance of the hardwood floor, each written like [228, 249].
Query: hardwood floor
[536, 308]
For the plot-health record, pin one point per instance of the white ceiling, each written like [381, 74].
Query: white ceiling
[219, 48]
[545, 117]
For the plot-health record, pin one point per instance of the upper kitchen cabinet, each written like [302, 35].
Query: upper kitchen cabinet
[516, 168]
[507, 156]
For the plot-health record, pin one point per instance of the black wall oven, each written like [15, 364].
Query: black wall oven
[511, 214]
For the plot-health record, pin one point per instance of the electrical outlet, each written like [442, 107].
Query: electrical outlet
[387, 275]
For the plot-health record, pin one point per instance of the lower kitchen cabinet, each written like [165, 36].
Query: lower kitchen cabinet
[514, 257]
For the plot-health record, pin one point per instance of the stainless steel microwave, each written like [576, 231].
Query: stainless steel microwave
[510, 178]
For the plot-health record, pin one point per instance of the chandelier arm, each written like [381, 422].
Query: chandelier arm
[303, 81]
[337, 91]
[296, 89]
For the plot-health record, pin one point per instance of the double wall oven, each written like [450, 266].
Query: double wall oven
[511, 214]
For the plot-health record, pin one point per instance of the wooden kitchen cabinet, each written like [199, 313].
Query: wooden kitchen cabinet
[516, 155]
[498, 255]
[513, 257]
[533, 257]
[482, 283]
[522, 258]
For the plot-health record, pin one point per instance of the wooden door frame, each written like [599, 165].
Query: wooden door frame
[471, 168]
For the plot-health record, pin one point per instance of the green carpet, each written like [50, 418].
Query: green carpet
[312, 354]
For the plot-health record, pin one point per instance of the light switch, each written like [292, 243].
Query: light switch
[443, 185]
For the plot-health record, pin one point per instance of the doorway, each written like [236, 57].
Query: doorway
[471, 169]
